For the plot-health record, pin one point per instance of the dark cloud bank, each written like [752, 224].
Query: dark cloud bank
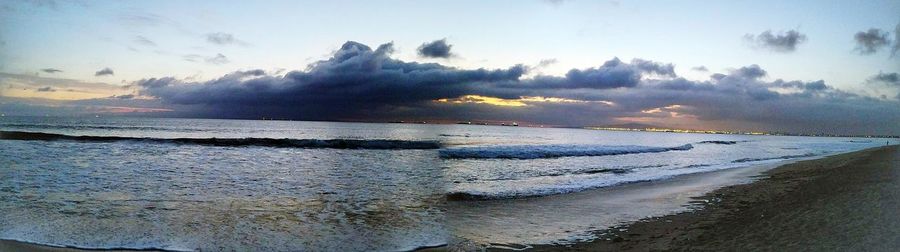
[364, 84]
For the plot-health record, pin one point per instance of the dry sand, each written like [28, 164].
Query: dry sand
[848, 202]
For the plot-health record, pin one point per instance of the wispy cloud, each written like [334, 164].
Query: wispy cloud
[869, 42]
[221, 38]
[51, 70]
[891, 79]
[144, 41]
[217, 59]
[31, 86]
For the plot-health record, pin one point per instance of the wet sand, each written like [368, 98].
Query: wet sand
[847, 202]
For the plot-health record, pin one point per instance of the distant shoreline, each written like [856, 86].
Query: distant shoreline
[842, 202]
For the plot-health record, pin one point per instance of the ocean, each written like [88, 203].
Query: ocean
[201, 184]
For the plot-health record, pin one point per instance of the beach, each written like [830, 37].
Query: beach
[841, 202]
[214, 185]
[844, 202]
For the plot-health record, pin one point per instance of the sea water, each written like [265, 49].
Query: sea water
[198, 184]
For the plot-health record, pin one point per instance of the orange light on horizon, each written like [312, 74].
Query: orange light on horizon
[520, 102]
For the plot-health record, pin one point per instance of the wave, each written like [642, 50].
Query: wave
[476, 195]
[550, 151]
[54, 247]
[378, 144]
[744, 160]
[720, 142]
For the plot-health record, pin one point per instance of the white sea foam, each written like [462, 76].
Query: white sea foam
[551, 151]
[551, 185]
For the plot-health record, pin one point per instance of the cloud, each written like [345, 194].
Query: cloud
[356, 77]
[358, 82]
[46, 89]
[885, 83]
[217, 59]
[545, 63]
[124, 97]
[750, 72]
[896, 42]
[869, 42]
[890, 79]
[221, 38]
[435, 49]
[44, 107]
[104, 71]
[26, 86]
[700, 69]
[144, 41]
[784, 42]
[51, 70]
[555, 2]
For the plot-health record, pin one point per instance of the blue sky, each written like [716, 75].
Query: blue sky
[81, 38]
[146, 39]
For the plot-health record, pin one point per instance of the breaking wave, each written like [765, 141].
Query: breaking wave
[551, 151]
[57, 247]
[744, 160]
[377, 144]
[720, 142]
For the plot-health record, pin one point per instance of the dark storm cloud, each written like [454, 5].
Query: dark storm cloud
[435, 49]
[869, 42]
[51, 70]
[355, 77]
[612, 74]
[782, 42]
[361, 83]
[104, 71]
[46, 89]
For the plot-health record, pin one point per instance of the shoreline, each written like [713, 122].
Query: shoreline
[846, 201]
[17, 245]
[709, 213]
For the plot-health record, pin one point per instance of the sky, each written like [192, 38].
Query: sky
[791, 66]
